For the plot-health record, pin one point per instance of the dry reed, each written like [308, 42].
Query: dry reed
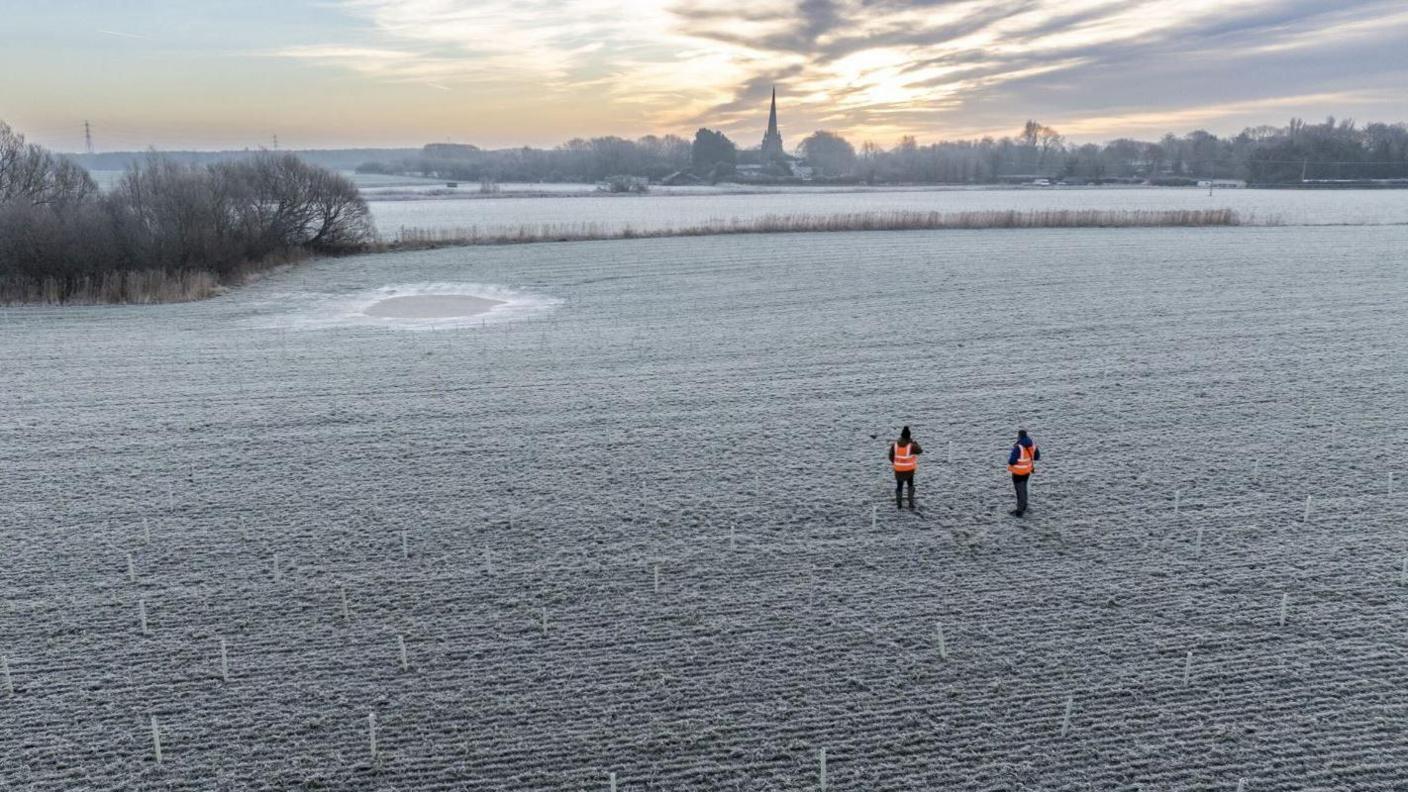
[140, 287]
[157, 286]
[809, 223]
[127, 286]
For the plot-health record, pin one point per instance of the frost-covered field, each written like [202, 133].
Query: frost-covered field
[675, 207]
[703, 413]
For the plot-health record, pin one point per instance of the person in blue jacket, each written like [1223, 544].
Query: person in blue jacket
[1021, 463]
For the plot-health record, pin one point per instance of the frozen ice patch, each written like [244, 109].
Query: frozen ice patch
[422, 306]
[432, 306]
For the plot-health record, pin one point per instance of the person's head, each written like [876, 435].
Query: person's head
[904, 433]
[1021, 435]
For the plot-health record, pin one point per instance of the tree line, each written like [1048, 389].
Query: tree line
[1267, 155]
[577, 160]
[60, 235]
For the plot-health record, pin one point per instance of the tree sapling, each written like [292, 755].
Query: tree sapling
[371, 733]
[156, 740]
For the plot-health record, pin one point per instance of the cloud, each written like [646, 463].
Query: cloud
[887, 67]
[120, 34]
[1166, 119]
[346, 55]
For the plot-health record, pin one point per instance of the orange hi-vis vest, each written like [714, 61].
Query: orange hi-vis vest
[1024, 465]
[905, 458]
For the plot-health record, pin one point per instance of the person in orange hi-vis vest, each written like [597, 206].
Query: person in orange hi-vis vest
[1021, 463]
[904, 456]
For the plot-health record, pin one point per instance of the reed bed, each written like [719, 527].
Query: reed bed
[811, 223]
[130, 286]
[157, 286]
[144, 287]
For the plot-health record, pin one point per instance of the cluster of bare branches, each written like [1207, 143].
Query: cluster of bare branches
[59, 234]
[30, 174]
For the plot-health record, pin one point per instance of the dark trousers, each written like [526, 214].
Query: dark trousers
[901, 479]
[1019, 483]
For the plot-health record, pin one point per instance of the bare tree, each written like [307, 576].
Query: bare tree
[30, 173]
[163, 217]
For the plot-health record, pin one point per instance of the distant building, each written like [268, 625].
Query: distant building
[769, 163]
[772, 150]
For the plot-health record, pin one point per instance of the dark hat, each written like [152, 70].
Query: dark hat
[904, 432]
[1021, 432]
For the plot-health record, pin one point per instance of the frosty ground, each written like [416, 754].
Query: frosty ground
[712, 414]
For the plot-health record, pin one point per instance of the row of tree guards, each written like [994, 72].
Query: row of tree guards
[941, 642]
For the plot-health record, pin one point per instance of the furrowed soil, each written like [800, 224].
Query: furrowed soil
[649, 530]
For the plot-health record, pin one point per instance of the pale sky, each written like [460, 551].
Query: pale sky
[209, 74]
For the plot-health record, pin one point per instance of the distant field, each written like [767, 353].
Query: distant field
[711, 414]
[701, 206]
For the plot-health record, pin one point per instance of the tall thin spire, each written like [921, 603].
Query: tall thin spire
[772, 114]
[772, 141]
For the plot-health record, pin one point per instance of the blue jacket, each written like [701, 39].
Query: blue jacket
[1016, 455]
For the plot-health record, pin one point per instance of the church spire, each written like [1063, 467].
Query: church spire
[772, 115]
[772, 141]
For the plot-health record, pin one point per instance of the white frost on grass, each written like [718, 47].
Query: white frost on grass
[548, 464]
[418, 306]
